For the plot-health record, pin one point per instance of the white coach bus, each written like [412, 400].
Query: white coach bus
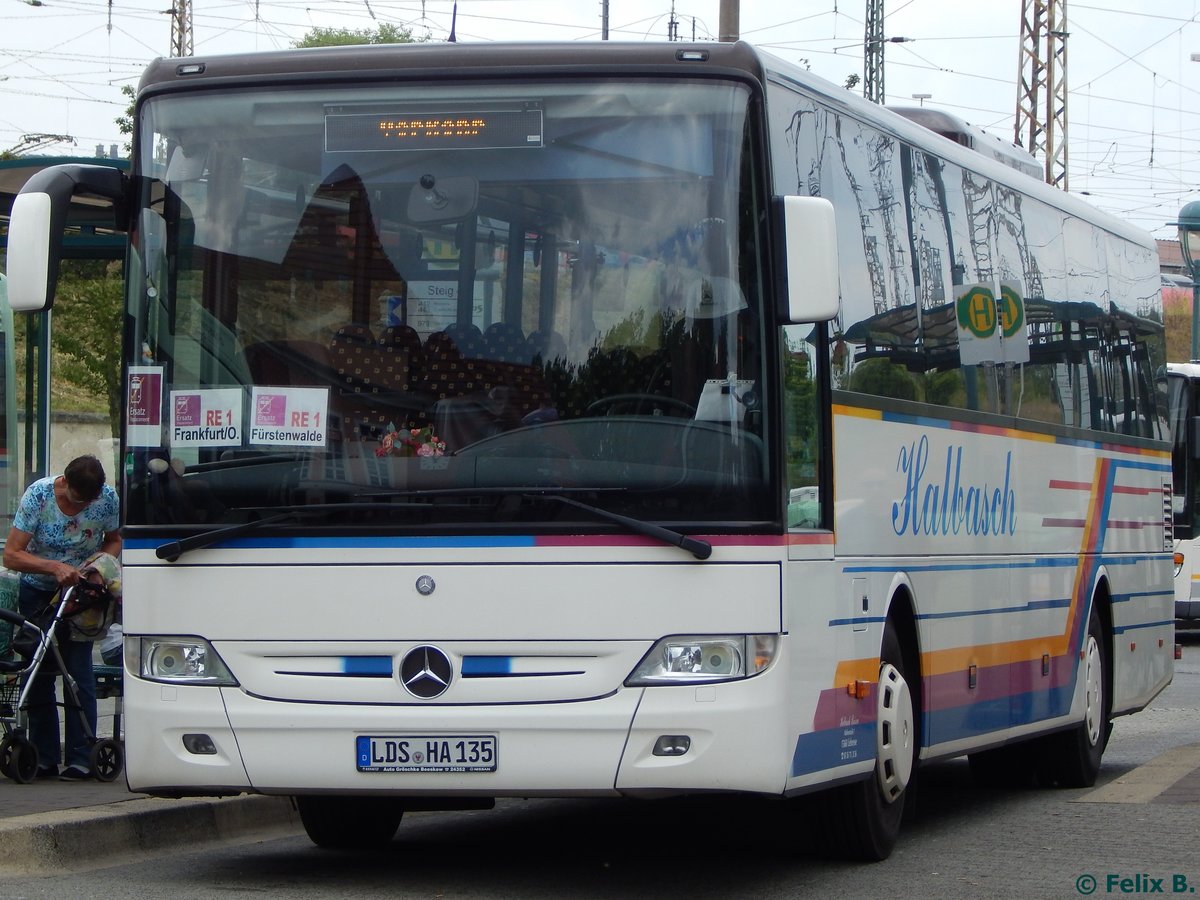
[615, 420]
[1183, 385]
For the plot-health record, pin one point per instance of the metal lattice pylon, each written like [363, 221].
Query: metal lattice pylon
[182, 43]
[873, 53]
[1041, 121]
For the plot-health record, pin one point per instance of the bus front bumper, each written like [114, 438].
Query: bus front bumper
[636, 741]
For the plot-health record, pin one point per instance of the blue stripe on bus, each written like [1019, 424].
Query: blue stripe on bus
[1121, 629]
[366, 542]
[367, 665]
[821, 750]
[1061, 562]
[955, 723]
[486, 666]
[843, 746]
[1043, 563]
[1143, 464]
[1137, 595]
[1031, 606]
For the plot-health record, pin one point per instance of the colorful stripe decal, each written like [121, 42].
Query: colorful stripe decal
[339, 667]
[853, 742]
[520, 666]
[486, 666]
[1122, 629]
[1013, 433]
[472, 667]
[397, 542]
[376, 542]
[1016, 682]
[374, 666]
[1048, 562]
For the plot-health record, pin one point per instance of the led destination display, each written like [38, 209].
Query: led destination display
[497, 129]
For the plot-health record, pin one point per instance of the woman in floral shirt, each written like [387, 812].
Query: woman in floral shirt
[60, 523]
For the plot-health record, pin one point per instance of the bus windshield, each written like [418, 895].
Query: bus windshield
[393, 303]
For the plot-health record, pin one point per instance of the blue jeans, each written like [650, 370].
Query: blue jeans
[43, 701]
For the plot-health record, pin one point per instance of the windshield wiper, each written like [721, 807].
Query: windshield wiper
[172, 550]
[698, 548]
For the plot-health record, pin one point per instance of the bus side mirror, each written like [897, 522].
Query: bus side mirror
[810, 259]
[35, 230]
[1193, 437]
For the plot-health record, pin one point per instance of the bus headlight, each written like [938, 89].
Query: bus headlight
[181, 660]
[696, 659]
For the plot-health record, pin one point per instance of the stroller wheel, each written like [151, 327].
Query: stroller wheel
[6, 755]
[19, 758]
[108, 759]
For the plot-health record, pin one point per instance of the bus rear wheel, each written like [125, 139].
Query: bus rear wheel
[1072, 758]
[863, 818]
[349, 823]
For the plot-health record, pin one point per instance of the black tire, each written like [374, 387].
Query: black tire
[1072, 758]
[6, 755]
[861, 821]
[20, 759]
[350, 823]
[108, 759]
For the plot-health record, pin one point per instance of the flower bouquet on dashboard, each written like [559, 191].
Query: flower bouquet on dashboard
[410, 442]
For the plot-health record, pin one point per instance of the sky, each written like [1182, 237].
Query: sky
[1133, 107]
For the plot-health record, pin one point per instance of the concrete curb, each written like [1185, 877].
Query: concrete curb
[84, 837]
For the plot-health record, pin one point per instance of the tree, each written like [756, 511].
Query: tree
[1177, 317]
[124, 122]
[87, 309]
[87, 332]
[386, 33]
[317, 37]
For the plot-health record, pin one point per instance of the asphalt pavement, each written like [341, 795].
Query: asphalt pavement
[54, 826]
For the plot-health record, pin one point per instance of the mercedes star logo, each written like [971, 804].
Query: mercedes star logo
[425, 585]
[425, 672]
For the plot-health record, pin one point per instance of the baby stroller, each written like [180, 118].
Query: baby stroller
[35, 644]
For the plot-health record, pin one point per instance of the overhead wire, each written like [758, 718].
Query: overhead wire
[279, 22]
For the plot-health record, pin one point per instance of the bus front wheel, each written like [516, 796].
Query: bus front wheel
[864, 817]
[349, 823]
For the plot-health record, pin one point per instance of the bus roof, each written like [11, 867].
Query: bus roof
[1189, 370]
[390, 60]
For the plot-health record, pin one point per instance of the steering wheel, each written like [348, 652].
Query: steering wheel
[604, 406]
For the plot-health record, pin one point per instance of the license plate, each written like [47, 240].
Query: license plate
[426, 753]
